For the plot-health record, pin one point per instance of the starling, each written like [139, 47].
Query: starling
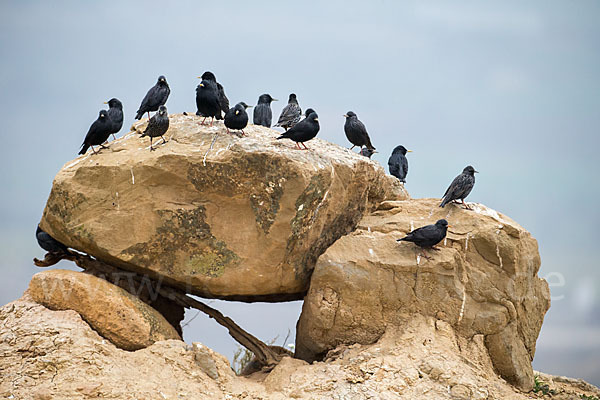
[365, 151]
[237, 117]
[115, 114]
[427, 236]
[303, 131]
[223, 100]
[262, 112]
[48, 243]
[207, 100]
[398, 164]
[290, 115]
[157, 96]
[158, 125]
[98, 132]
[460, 187]
[356, 132]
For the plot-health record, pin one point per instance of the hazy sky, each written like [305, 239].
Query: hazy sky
[510, 87]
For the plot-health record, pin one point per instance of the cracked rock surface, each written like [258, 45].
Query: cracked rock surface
[482, 281]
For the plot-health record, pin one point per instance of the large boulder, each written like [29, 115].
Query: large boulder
[241, 218]
[114, 313]
[482, 281]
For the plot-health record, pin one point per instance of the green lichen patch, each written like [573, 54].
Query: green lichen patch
[184, 244]
[62, 203]
[260, 177]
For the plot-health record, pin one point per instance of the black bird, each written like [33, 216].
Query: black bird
[223, 100]
[365, 151]
[308, 112]
[115, 114]
[48, 243]
[398, 164]
[460, 187]
[262, 112]
[98, 132]
[427, 236]
[290, 115]
[157, 96]
[303, 131]
[356, 132]
[237, 117]
[158, 125]
[207, 100]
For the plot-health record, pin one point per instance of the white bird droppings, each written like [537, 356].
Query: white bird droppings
[301, 207]
[132, 176]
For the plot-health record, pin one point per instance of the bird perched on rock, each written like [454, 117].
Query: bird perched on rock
[48, 243]
[398, 164]
[290, 115]
[207, 100]
[356, 132]
[98, 132]
[223, 100]
[156, 97]
[365, 151]
[115, 114]
[262, 112]
[237, 117]
[303, 131]
[158, 125]
[427, 236]
[460, 187]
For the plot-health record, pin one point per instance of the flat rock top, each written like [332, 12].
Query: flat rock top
[212, 143]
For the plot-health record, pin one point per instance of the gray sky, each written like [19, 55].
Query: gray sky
[510, 87]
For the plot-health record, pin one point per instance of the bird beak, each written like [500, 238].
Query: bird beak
[375, 152]
[274, 100]
[476, 172]
[106, 102]
[237, 112]
[249, 106]
[449, 226]
[409, 151]
[201, 85]
[317, 119]
[199, 77]
[345, 115]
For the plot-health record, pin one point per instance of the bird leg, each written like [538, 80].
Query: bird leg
[229, 133]
[298, 146]
[211, 121]
[203, 119]
[352, 147]
[114, 137]
[305, 148]
[93, 149]
[466, 205]
[243, 134]
[102, 146]
[164, 140]
[148, 115]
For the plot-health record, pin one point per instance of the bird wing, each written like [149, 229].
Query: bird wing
[262, 115]
[152, 124]
[394, 165]
[147, 98]
[404, 166]
[454, 188]
[223, 100]
[289, 113]
[423, 233]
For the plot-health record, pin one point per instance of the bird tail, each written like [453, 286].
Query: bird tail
[84, 148]
[369, 145]
[283, 136]
[139, 114]
[444, 202]
[406, 238]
